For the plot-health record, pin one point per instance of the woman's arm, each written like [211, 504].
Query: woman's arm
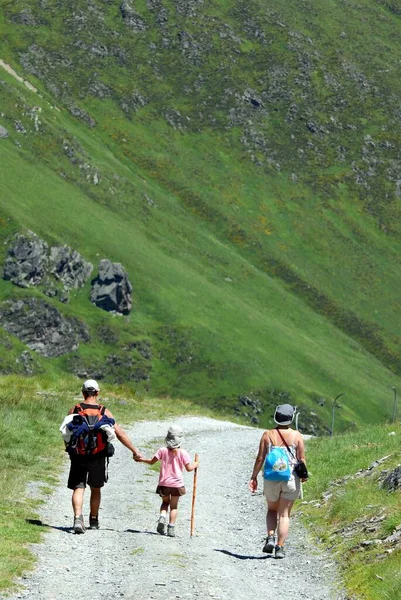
[300, 447]
[263, 445]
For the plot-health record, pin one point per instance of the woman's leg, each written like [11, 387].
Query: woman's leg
[271, 517]
[173, 509]
[284, 511]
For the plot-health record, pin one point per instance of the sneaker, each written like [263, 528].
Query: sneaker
[161, 525]
[269, 545]
[171, 531]
[279, 553]
[93, 522]
[79, 526]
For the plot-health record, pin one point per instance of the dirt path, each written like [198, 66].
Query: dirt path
[126, 558]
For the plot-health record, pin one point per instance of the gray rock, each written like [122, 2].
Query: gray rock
[42, 327]
[29, 260]
[26, 262]
[3, 132]
[393, 480]
[111, 289]
[131, 18]
[69, 266]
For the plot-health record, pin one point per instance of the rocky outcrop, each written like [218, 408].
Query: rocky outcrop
[26, 262]
[68, 266]
[30, 262]
[111, 289]
[42, 327]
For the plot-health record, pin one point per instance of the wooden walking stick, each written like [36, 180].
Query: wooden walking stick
[193, 499]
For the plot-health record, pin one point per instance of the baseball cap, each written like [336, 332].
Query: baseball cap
[90, 385]
[284, 414]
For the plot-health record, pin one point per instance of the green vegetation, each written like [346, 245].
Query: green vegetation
[353, 515]
[31, 452]
[246, 178]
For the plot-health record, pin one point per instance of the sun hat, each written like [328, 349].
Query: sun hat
[90, 385]
[284, 414]
[174, 437]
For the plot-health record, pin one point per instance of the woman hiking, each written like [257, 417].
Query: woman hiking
[280, 495]
[171, 484]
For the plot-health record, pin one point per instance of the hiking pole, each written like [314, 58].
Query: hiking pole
[193, 499]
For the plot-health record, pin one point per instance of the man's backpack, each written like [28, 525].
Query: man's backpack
[277, 465]
[88, 435]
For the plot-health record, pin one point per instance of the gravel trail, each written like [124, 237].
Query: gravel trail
[127, 559]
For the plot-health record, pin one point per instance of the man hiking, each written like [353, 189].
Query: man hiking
[86, 431]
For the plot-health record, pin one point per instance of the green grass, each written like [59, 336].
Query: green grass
[248, 279]
[369, 571]
[31, 452]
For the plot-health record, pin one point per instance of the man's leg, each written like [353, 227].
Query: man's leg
[96, 495]
[78, 501]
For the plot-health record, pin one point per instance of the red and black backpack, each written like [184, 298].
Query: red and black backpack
[87, 436]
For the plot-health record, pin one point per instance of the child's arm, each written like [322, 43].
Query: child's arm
[191, 467]
[148, 461]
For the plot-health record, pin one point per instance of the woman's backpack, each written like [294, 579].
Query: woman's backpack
[277, 465]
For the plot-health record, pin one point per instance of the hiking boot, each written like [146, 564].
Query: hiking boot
[279, 553]
[161, 525]
[93, 522]
[269, 545]
[171, 531]
[79, 526]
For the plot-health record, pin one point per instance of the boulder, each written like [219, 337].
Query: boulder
[26, 262]
[69, 266]
[3, 132]
[392, 481]
[111, 289]
[42, 327]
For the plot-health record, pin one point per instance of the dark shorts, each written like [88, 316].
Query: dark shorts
[164, 490]
[87, 471]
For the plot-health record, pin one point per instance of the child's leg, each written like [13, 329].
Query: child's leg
[173, 509]
[164, 506]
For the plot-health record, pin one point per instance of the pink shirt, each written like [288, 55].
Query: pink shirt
[173, 464]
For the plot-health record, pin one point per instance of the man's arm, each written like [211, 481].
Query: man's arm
[124, 439]
[264, 441]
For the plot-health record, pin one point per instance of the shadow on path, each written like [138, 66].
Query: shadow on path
[242, 556]
[139, 531]
[39, 523]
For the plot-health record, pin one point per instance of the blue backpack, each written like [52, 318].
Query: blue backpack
[277, 465]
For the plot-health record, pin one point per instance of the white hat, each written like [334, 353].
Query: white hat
[174, 437]
[90, 385]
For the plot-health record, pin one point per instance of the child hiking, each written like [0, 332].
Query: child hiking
[171, 484]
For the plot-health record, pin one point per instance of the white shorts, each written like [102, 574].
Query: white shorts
[289, 490]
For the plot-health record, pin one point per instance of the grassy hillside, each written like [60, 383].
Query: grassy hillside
[241, 161]
[350, 511]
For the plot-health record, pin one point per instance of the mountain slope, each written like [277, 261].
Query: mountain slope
[241, 161]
